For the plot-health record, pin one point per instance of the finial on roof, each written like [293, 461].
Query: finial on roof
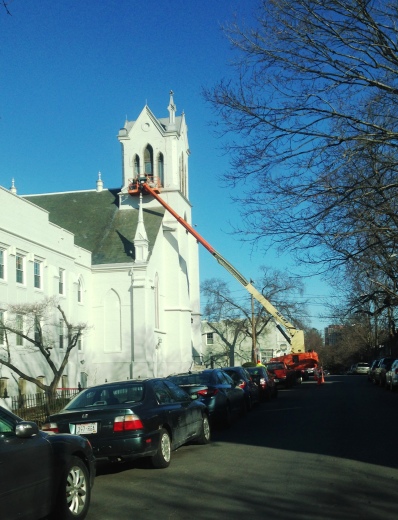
[13, 189]
[100, 184]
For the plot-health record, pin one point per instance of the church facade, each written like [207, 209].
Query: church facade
[118, 262]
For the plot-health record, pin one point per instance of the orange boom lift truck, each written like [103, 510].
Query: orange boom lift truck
[298, 358]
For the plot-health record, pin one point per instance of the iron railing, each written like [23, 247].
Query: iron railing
[36, 407]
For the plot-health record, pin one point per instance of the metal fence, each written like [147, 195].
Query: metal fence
[36, 407]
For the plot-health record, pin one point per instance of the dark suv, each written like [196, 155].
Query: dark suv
[243, 379]
[216, 390]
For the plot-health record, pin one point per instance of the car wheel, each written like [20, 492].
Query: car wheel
[74, 495]
[204, 437]
[162, 457]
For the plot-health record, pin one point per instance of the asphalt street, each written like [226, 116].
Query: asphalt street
[325, 452]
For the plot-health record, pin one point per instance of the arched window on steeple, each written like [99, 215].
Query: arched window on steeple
[148, 160]
[161, 169]
[136, 165]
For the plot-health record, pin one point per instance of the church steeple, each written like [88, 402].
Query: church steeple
[172, 111]
[141, 239]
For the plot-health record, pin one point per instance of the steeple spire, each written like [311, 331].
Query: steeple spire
[172, 110]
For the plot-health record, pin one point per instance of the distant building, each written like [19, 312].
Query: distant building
[216, 338]
[333, 335]
[122, 264]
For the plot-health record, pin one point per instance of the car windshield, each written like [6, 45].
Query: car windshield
[363, 365]
[200, 378]
[274, 366]
[255, 371]
[108, 395]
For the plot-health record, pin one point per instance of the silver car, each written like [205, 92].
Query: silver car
[361, 368]
[392, 376]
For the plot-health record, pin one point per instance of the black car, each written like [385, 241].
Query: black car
[134, 418]
[216, 389]
[264, 381]
[43, 475]
[243, 379]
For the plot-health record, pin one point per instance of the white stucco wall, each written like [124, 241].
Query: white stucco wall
[26, 230]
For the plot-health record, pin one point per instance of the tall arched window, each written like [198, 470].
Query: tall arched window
[161, 169]
[148, 160]
[112, 322]
[156, 302]
[136, 165]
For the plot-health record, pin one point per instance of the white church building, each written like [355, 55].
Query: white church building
[118, 262]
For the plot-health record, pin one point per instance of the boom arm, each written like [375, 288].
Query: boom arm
[295, 336]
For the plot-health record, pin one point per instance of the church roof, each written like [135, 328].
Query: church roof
[98, 224]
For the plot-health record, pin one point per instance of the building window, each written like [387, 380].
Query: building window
[79, 291]
[37, 274]
[210, 338]
[61, 333]
[19, 328]
[61, 288]
[148, 160]
[19, 268]
[156, 296]
[161, 169]
[2, 260]
[2, 333]
[79, 344]
[136, 165]
[37, 330]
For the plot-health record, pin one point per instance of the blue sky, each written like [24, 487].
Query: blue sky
[72, 70]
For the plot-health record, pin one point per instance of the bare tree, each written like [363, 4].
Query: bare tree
[29, 334]
[312, 112]
[235, 321]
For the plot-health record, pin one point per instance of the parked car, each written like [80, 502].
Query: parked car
[379, 373]
[134, 418]
[43, 474]
[217, 390]
[392, 376]
[242, 378]
[372, 368]
[282, 374]
[264, 381]
[361, 368]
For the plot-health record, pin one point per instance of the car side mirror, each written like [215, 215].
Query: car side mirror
[26, 429]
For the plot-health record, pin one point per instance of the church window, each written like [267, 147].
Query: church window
[156, 295]
[148, 160]
[161, 169]
[136, 165]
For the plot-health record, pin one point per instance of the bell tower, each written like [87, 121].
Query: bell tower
[156, 148]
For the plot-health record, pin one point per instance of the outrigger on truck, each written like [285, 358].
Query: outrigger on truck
[150, 185]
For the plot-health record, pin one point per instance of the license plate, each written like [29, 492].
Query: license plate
[86, 429]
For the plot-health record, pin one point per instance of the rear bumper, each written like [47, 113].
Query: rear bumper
[126, 447]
